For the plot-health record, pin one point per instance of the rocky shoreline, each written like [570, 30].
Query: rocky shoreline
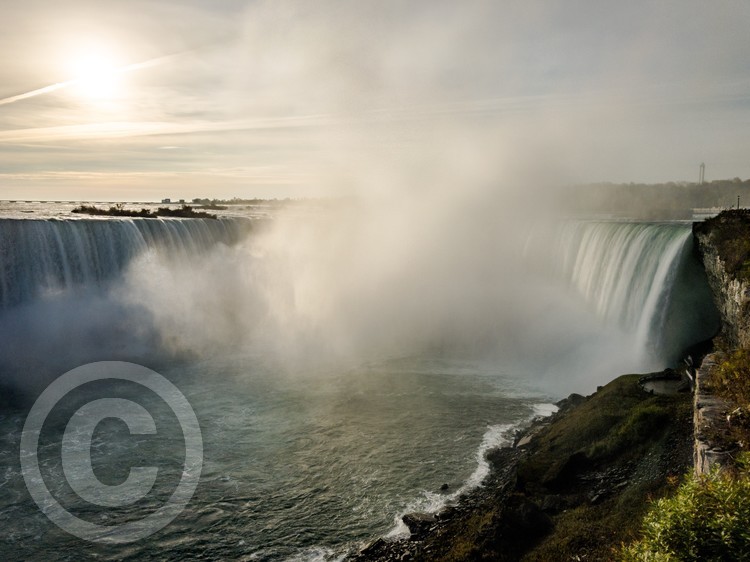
[573, 484]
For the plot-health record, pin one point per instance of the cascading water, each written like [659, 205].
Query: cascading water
[42, 256]
[635, 275]
[639, 278]
[64, 293]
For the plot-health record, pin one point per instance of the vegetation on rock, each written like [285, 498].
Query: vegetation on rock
[729, 233]
[730, 379]
[600, 462]
[708, 518]
[119, 210]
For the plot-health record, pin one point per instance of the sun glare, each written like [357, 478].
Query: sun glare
[96, 76]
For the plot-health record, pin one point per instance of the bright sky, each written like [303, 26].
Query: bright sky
[144, 99]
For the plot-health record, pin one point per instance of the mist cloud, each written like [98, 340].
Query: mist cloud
[452, 124]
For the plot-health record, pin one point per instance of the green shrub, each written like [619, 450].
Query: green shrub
[731, 377]
[707, 519]
[644, 420]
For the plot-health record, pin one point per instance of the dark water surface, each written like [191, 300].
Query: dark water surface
[304, 467]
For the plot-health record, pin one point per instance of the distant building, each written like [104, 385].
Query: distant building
[182, 201]
[167, 200]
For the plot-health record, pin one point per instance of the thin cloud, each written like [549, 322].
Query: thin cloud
[37, 92]
[111, 130]
[68, 83]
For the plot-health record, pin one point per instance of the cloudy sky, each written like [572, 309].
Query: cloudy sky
[144, 99]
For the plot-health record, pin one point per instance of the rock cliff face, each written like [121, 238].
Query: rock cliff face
[723, 243]
[724, 247]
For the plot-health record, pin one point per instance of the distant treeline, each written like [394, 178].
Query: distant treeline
[219, 204]
[656, 201]
[119, 210]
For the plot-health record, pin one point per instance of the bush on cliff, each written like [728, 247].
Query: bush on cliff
[730, 380]
[707, 519]
[731, 377]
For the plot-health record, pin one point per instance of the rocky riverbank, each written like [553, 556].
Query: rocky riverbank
[574, 485]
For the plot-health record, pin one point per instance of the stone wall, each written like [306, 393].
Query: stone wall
[709, 420]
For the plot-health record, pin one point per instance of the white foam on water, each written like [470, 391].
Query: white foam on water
[317, 554]
[430, 502]
[544, 410]
[495, 437]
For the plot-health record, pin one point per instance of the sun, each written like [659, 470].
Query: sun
[96, 76]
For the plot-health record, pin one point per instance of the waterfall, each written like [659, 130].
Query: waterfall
[606, 296]
[640, 276]
[39, 257]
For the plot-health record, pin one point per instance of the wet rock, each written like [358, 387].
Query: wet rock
[419, 523]
[566, 475]
[570, 402]
[526, 439]
[446, 513]
[375, 548]
[527, 519]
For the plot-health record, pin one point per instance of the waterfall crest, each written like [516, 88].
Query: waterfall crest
[640, 276]
[42, 256]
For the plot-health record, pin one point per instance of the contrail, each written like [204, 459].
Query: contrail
[60, 85]
[37, 92]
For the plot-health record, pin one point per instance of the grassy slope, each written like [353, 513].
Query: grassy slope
[642, 442]
[585, 484]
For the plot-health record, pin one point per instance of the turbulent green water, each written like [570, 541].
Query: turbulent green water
[306, 467]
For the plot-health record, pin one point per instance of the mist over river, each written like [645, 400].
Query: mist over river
[339, 377]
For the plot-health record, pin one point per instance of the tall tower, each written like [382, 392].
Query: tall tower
[702, 174]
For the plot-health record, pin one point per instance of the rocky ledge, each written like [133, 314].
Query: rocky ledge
[723, 245]
[574, 486]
